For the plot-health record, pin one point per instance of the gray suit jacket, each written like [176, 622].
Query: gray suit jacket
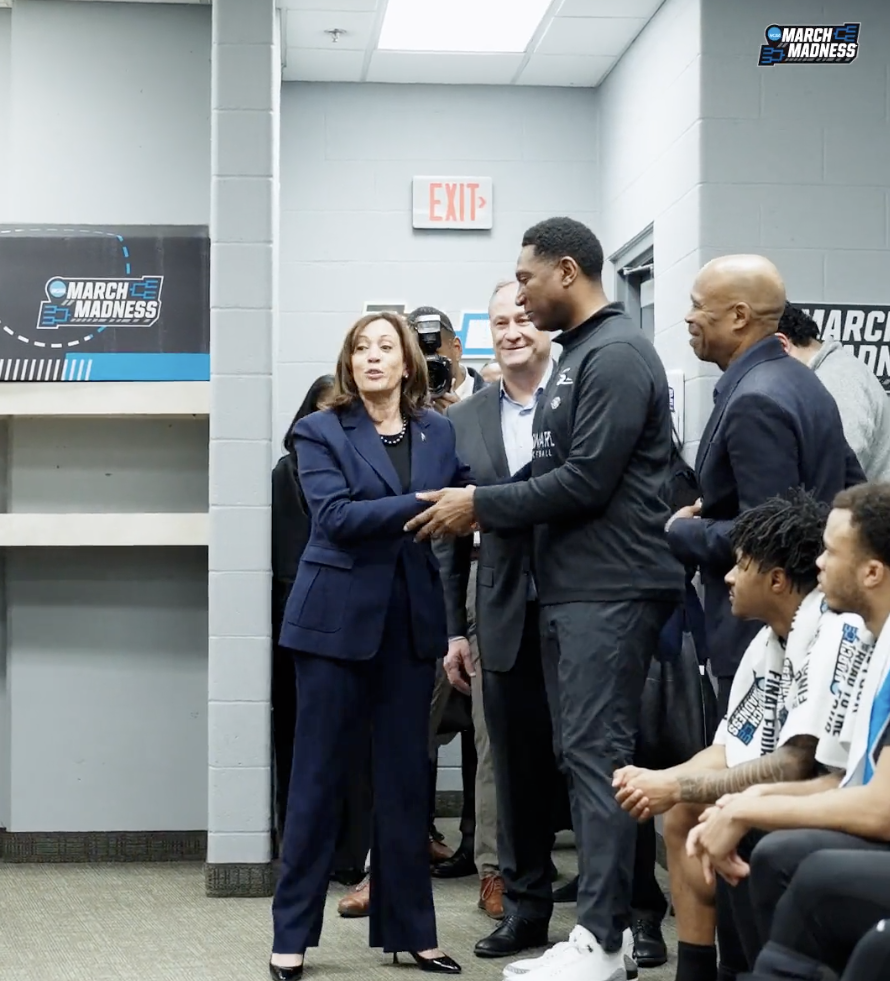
[504, 560]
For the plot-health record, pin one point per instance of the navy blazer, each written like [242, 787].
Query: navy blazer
[340, 597]
[774, 426]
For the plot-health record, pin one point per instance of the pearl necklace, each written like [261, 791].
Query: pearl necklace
[398, 437]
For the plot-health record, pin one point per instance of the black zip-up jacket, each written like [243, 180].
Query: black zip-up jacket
[602, 447]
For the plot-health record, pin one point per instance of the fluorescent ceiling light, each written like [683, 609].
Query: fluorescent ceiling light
[488, 26]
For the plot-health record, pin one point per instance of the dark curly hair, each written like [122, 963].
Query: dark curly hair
[560, 238]
[869, 507]
[784, 533]
[798, 327]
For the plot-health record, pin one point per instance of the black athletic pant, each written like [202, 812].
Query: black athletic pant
[834, 899]
[596, 657]
[647, 899]
[777, 858]
[871, 958]
[529, 787]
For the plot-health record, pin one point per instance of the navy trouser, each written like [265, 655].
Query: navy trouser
[387, 699]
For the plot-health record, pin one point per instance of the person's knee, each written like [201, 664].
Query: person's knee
[772, 856]
[678, 822]
[816, 879]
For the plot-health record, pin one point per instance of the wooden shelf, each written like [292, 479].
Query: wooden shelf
[110, 399]
[71, 530]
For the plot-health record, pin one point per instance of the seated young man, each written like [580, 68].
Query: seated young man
[829, 813]
[777, 708]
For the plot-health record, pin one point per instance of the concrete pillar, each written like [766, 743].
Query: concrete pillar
[243, 306]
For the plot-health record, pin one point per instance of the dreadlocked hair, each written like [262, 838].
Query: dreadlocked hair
[785, 533]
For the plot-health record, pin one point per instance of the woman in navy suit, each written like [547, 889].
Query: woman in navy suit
[366, 622]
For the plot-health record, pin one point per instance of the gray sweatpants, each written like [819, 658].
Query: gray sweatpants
[596, 657]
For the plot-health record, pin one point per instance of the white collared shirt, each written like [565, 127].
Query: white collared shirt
[465, 389]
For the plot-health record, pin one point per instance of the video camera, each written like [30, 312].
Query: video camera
[428, 327]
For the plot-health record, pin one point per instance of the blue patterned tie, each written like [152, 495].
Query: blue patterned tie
[880, 716]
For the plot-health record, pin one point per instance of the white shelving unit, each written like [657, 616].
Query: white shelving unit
[103, 583]
[109, 399]
[105, 530]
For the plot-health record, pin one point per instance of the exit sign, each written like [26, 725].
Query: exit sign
[452, 202]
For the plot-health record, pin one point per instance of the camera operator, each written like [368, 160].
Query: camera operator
[442, 349]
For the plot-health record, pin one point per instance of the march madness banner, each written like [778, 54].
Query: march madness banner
[865, 331]
[104, 303]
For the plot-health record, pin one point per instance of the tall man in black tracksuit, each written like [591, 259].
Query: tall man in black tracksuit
[606, 578]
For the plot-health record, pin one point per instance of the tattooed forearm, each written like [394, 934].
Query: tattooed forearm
[793, 761]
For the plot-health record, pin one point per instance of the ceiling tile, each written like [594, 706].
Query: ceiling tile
[565, 70]
[312, 65]
[306, 29]
[589, 35]
[608, 8]
[445, 69]
[327, 5]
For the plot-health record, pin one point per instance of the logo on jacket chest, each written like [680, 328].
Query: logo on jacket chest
[542, 444]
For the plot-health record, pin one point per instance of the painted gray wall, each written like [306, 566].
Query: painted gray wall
[108, 685]
[111, 116]
[650, 133]
[106, 660]
[348, 153]
[110, 465]
[5, 78]
[243, 313]
[795, 160]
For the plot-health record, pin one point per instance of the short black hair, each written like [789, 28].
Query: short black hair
[556, 238]
[785, 532]
[798, 326]
[869, 507]
[431, 312]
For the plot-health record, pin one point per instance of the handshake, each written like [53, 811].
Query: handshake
[452, 514]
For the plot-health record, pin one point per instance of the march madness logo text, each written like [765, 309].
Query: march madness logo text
[86, 302]
[810, 45]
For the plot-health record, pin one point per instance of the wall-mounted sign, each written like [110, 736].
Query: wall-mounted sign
[865, 331]
[677, 392]
[475, 335]
[378, 306]
[100, 303]
[452, 202]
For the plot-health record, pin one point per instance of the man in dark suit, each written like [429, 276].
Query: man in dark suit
[774, 426]
[494, 438]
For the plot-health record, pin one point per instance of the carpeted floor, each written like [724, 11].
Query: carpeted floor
[154, 923]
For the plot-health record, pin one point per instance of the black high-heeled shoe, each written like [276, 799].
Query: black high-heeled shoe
[280, 973]
[433, 965]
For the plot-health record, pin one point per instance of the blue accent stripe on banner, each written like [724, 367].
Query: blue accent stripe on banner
[113, 366]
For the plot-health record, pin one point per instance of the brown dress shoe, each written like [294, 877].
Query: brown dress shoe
[491, 896]
[439, 851]
[357, 901]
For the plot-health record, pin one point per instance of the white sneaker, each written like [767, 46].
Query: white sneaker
[578, 957]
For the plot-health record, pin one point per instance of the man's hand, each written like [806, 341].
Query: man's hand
[690, 511]
[458, 664]
[715, 841]
[645, 793]
[451, 514]
[443, 401]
